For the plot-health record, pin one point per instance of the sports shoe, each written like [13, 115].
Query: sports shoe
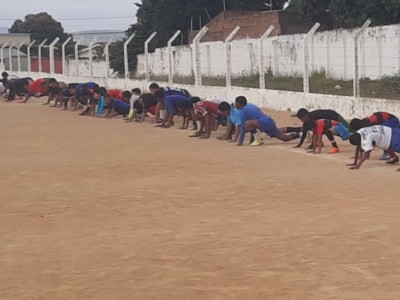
[393, 160]
[333, 150]
[257, 143]
[385, 156]
[252, 138]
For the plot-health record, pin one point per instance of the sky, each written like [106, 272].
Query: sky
[117, 14]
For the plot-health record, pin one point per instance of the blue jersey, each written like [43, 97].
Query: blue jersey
[121, 107]
[173, 102]
[247, 113]
[168, 91]
[88, 85]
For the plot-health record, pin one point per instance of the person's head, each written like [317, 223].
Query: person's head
[357, 124]
[4, 75]
[355, 139]
[240, 102]
[99, 92]
[108, 99]
[309, 124]
[303, 114]
[154, 87]
[28, 83]
[224, 108]
[137, 105]
[127, 96]
[136, 91]
[72, 90]
[160, 95]
[195, 100]
[85, 93]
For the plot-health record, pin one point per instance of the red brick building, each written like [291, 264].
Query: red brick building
[253, 24]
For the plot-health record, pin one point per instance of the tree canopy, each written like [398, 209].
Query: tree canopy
[352, 13]
[41, 26]
[168, 16]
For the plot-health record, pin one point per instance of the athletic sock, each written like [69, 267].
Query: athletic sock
[294, 129]
[295, 135]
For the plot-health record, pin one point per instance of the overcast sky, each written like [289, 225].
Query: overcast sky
[73, 9]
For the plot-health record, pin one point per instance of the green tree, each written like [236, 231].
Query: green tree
[167, 16]
[41, 26]
[351, 13]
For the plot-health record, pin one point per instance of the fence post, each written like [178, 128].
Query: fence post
[146, 56]
[28, 53]
[356, 67]
[197, 56]
[63, 55]
[170, 57]
[77, 55]
[126, 61]
[229, 56]
[40, 55]
[51, 55]
[261, 56]
[107, 54]
[91, 55]
[10, 54]
[306, 72]
[19, 57]
[2, 54]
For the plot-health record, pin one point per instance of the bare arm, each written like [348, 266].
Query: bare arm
[363, 158]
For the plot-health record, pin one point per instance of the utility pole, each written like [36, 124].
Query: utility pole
[224, 4]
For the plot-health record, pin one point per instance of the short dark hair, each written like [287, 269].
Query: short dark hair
[52, 80]
[101, 91]
[85, 92]
[137, 105]
[355, 139]
[302, 113]
[241, 100]
[224, 106]
[154, 86]
[195, 99]
[136, 91]
[4, 74]
[356, 124]
[127, 94]
[309, 124]
[159, 94]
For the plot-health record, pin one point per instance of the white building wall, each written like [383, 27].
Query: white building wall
[348, 107]
[330, 51]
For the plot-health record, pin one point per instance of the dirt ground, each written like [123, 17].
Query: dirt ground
[99, 209]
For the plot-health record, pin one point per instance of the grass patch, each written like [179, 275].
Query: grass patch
[386, 88]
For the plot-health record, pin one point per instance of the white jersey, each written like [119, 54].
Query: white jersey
[133, 99]
[378, 135]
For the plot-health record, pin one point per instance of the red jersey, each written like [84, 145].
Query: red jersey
[379, 117]
[38, 86]
[115, 94]
[323, 125]
[207, 107]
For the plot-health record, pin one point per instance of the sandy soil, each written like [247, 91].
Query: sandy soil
[98, 209]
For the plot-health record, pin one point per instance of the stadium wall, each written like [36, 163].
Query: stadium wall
[349, 107]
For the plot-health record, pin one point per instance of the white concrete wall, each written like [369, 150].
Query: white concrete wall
[99, 68]
[349, 107]
[331, 51]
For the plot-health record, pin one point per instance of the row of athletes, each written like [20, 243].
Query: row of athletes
[381, 129]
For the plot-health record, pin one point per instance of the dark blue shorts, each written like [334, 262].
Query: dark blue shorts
[392, 123]
[395, 141]
[268, 126]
